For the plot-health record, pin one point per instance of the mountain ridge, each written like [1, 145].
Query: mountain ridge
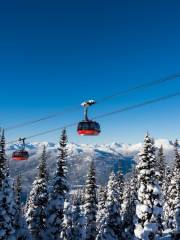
[106, 157]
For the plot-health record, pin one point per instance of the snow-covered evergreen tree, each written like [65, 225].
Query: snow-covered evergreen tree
[120, 181]
[21, 228]
[129, 206]
[58, 191]
[74, 224]
[176, 233]
[167, 197]
[7, 198]
[90, 205]
[173, 201]
[36, 215]
[83, 196]
[111, 225]
[2, 159]
[160, 166]
[148, 208]
[102, 196]
[67, 232]
[78, 220]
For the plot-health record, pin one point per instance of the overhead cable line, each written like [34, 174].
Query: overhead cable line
[142, 86]
[139, 105]
[106, 98]
[42, 119]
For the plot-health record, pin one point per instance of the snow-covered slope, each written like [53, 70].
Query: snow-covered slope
[105, 156]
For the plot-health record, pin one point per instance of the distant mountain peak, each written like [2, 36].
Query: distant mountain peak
[104, 155]
[114, 146]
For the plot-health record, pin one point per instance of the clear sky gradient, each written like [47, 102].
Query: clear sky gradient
[55, 54]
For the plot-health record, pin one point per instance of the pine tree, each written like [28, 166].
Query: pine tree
[83, 196]
[78, 220]
[102, 196]
[129, 206]
[177, 211]
[148, 208]
[67, 232]
[21, 228]
[2, 159]
[120, 181]
[173, 201]
[111, 225]
[91, 203]
[177, 197]
[160, 166]
[167, 197]
[36, 215]
[59, 190]
[7, 198]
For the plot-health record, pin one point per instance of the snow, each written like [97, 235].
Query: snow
[88, 103]
[141, 209]
[118, 148]
[104, 156]
[80, 156]
[148, 207]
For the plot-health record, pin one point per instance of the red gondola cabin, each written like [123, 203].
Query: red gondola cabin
[21, 154]
[88, 127]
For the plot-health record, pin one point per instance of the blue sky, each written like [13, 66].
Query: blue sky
[55, 54]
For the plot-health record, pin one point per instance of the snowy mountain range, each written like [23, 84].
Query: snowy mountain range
[106, 158]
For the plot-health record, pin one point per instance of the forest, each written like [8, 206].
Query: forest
[145, 205]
